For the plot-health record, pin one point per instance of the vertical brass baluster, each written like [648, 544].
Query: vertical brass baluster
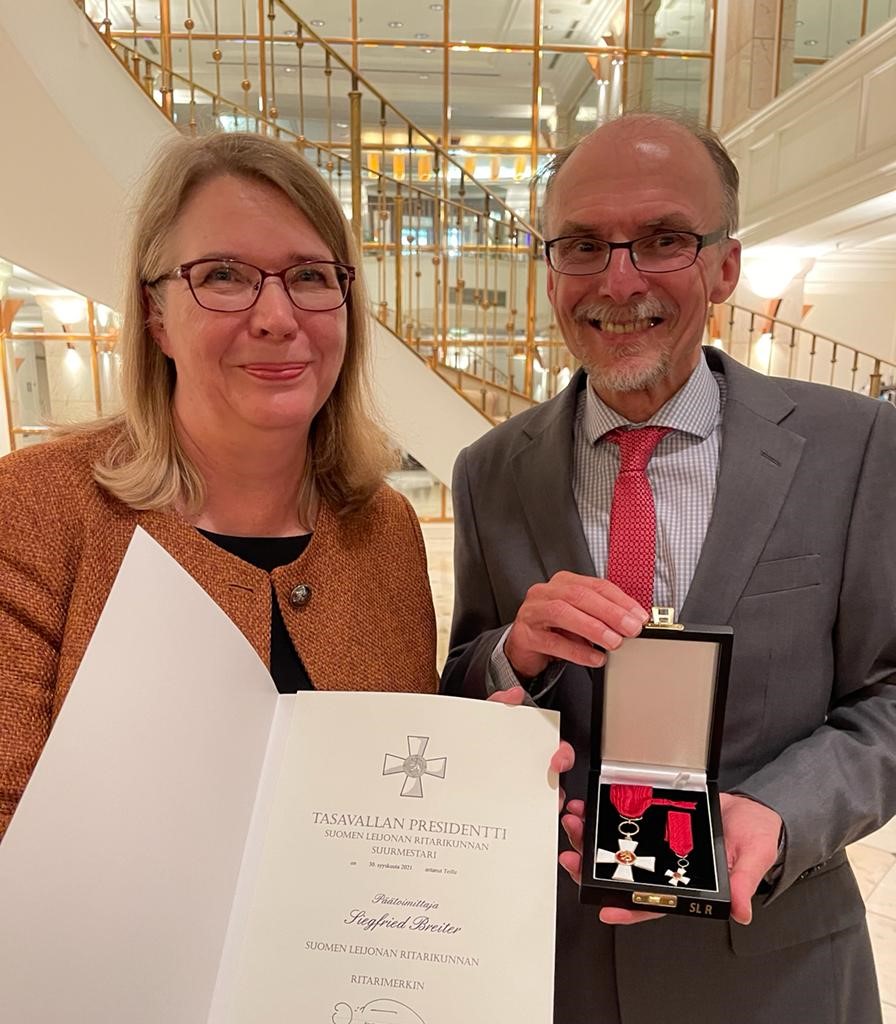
[478, 332]
[382, 216]
[459, 281]
[513, 238]
[94, 358]
[355, 126]
[398, 235]
[854, 371]
[833, 363]
[7, 384]
[328, 78]
[440, 190]
[273, 112]
[246, 84]
[189, 25]
[418, 273]
[262, 115]
[812, 353]
[165, 86]
[216, 57]
[300, 69]
[873, 382]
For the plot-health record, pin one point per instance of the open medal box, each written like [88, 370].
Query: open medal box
[653, 829]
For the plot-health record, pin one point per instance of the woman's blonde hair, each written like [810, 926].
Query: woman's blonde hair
[349, 453]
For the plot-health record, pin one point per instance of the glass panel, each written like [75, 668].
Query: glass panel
[410, 78]
[488, 22]
[419, 486]
[879, 12]
[584, 89]
[50, 381]
[672, 25]
[585, 23]
[660, 83]
[506, 78]
[824, 29]
[109, 370]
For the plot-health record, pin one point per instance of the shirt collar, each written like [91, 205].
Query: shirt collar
[693, 409]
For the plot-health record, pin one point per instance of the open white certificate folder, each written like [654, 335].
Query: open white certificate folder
[194, 847]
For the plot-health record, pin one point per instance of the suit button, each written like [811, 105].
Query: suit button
[300, 595]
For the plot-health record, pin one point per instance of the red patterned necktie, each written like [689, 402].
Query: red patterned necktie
[632, 545]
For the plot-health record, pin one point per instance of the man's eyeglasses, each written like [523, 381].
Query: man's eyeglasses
[228, 286]
[659, 253]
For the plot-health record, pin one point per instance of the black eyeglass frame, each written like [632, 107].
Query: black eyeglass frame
[702, 241]
[182, 273]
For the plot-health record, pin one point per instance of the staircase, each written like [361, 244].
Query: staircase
[465, 335]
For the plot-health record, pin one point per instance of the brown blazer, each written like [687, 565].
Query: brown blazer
[368, 625]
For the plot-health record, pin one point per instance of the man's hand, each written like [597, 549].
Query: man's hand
[564, 756]
[571, 861]
[751, 834]
[565, 617]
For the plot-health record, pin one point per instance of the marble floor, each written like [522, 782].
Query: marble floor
[873, 859]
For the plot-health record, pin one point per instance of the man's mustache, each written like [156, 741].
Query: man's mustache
[610, 312]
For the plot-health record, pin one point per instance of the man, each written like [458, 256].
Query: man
[774, 504]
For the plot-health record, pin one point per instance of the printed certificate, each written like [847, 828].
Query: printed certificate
[195, 848]
[409, 866]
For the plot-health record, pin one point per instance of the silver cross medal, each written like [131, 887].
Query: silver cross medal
[678, 877]
[626, 859]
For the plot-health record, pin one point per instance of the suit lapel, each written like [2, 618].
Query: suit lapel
[757, 463]
[542, 471]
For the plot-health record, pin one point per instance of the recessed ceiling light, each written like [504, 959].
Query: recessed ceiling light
[424, 77]
[288, 70]
[341, 124]
[799, 24]
[548, 28]
[426, 49]
[436, 7]
[421, 35]
[810, 42]
[673, 32]
[396, 24]
[317, 23]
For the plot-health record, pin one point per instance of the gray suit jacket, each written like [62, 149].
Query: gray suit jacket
[800, 558]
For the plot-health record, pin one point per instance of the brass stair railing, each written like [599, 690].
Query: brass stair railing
[450, 265]
[783, 349]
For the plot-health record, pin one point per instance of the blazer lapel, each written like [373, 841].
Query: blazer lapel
[757, 463]
[542, 471]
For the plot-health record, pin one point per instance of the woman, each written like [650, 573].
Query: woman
[246, 448]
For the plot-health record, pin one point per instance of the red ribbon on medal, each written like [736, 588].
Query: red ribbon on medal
[678, 833]
[633, 801]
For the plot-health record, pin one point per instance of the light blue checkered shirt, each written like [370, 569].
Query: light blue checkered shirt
[683, 473]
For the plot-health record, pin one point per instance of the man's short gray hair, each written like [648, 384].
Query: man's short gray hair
[728, 175]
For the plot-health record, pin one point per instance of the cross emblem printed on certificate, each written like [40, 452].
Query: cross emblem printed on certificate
[625, 859]
[415, 766]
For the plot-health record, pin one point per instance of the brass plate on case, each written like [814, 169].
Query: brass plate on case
[654, 899]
